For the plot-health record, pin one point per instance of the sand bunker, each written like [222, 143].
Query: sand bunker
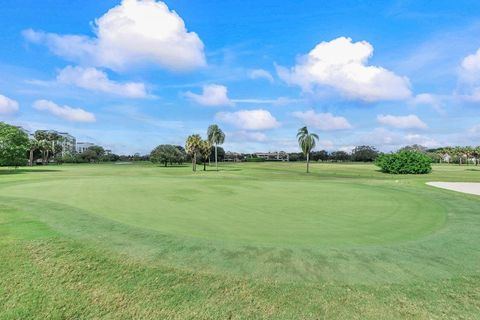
[465, 187]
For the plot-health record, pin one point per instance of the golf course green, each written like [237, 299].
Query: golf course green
[253, 240]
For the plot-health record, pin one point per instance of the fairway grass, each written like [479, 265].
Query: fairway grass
[258, 240]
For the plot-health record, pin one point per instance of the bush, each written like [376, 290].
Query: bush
[405, 162]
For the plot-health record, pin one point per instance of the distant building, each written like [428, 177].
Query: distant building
[68, 142]
[233, 156]
[273, 156]
[82, 146]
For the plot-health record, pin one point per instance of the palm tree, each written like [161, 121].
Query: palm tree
[476, 154]
[33, 144]
[215, 137]
[307, 142]
[205, 149]
[460, 153]
[468, 151]
[192, 147]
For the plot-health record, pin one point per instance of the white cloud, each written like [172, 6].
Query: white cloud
[402, 122]
[435, 101]
[342, 65]
[249, 119]
[254, 136]
[470, 68]
[322, 121]
[260, 74]
[213, 95]
[475, 129]
[136, 32]
[96, 80]
[7, 105]
[64, 112]
[280, 101]
[388, 140]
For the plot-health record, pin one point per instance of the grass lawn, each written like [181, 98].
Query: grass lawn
[255, 240]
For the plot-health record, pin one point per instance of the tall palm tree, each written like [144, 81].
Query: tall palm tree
[307, 142]
[192, 147]
[215, 137]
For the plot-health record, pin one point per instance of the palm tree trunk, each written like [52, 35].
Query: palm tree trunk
[216, 160]
[308, 162]
[31, 158]
[204, 165]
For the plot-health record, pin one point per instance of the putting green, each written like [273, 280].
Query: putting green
[263, 213]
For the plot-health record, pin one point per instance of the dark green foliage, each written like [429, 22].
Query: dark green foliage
[220, 153]
[364, 153]
[13, 146]
[167, 154]
[340, 156]
[254, 159]
[405, 162]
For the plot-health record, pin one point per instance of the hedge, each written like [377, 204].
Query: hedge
[405, 162]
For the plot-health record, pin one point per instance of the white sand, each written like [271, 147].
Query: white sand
[465, 187]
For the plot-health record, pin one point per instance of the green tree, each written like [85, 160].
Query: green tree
[192, 147]
[205, 147]
[33, 145]
[13, 146]
[307, 142]
[215, 137]
[165, 154]
[364, 153]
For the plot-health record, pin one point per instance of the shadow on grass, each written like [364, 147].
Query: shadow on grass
[24, 170]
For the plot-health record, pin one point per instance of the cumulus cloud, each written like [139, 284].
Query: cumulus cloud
[389, 140]
[434, 101]
[469, 73]
[258, 119]
[342, 65]
[403, 122]
[213, 95]
[64, 112]
[136, 32]
[470, 67]
[254, 136]
[322, 121]
[7, 105]
[260, 74]
[96, 80]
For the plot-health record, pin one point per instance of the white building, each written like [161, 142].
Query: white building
[68, 142]
[273, 156]
[82, 146]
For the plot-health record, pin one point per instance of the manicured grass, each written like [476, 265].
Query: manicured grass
[256, 240]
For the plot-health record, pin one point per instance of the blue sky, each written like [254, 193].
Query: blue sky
[133, 74]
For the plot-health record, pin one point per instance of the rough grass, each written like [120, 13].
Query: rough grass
[104, 241]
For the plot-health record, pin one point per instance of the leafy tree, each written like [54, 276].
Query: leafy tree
[205, 148]
[215, 137]
[165, 154]
[192, 147]
[93, 154]
[404, 162]
[220, 154]
[33, 145]
[364, 153]
[110, 157]
[340, 156]
[321, 155]
[13, 146]
[414, 147]
[307, 142]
